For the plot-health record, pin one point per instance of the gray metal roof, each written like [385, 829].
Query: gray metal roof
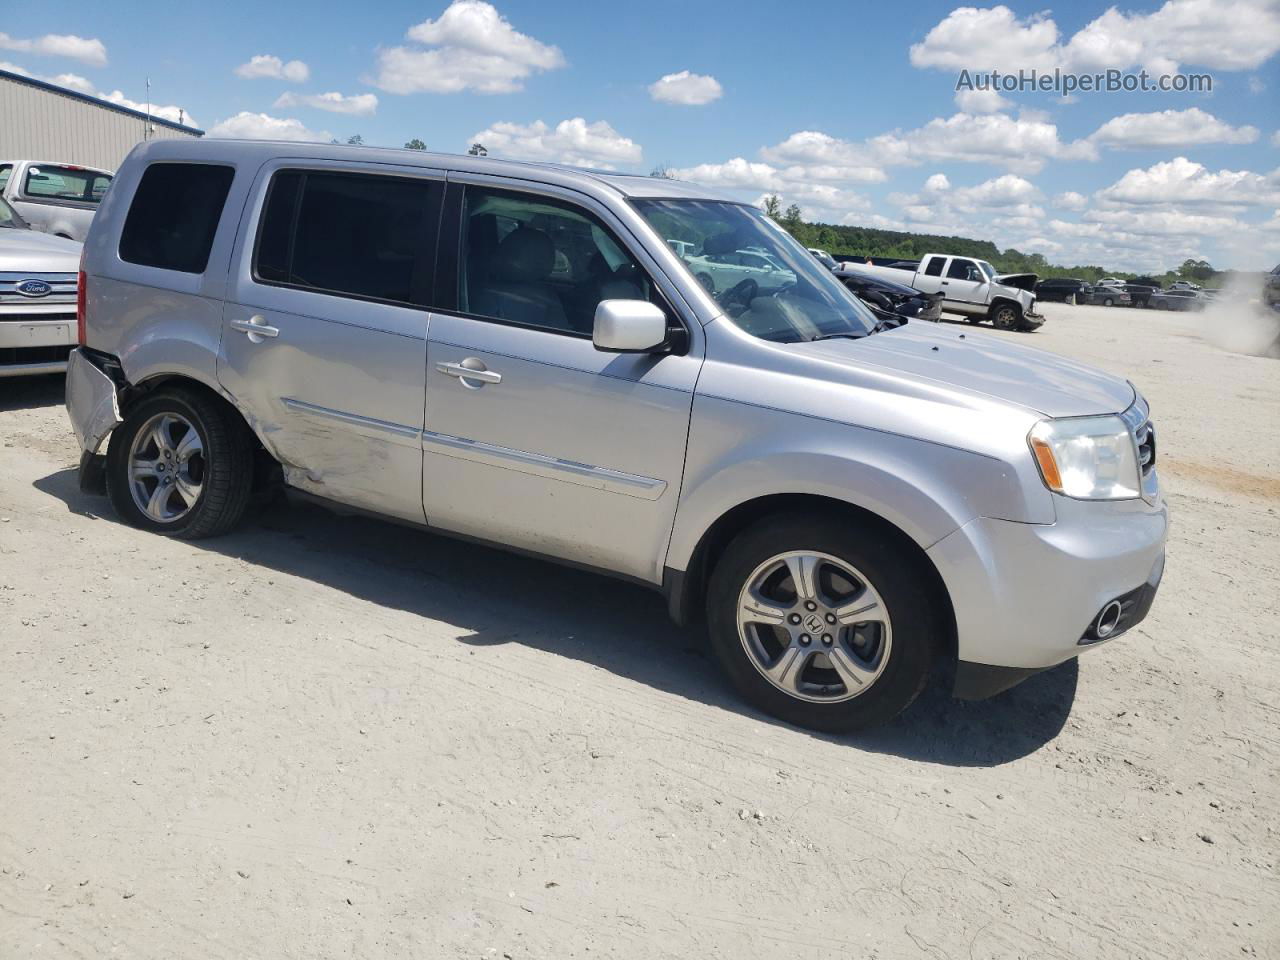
[98, 102]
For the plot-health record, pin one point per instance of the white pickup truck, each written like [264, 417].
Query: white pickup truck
[969, 287]
[57, 198]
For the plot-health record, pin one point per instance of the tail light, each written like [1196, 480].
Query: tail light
[81, 295]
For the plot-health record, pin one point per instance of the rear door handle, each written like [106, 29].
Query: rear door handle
[256, 327]
[470, 369]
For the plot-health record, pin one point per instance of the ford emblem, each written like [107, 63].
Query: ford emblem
[34, 288]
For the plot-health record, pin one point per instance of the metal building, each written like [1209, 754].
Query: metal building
[41, 121]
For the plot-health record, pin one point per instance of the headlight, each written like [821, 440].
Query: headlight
[1088, 458]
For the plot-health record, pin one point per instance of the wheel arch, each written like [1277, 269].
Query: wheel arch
[686, 589]
[999, 302]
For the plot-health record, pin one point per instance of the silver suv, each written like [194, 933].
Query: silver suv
[530, 355]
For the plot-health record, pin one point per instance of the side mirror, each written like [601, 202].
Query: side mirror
[629, 326]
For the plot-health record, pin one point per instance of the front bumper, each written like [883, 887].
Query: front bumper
[1025, 595]
[34, 342]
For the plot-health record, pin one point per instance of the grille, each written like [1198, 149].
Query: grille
[6, 317]
[63, 284]
[1146, 436]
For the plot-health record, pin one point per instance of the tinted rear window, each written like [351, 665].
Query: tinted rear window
[352, 234]
[934, 268]
[174, 216]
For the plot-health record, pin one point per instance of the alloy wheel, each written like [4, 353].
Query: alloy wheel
[166, 467]
[814, 626]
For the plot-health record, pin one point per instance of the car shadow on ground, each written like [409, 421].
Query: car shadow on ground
[617, 626]
[27, 393]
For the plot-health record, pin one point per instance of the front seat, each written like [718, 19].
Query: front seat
[515, 287]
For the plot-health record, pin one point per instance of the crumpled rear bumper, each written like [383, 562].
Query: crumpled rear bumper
[92, 402]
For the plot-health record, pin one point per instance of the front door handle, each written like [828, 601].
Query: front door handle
[256, 327]
[470, 369]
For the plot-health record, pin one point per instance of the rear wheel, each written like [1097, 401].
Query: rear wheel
[180, 464]
[821, 625]
[1108, 302]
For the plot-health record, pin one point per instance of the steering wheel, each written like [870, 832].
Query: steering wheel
[742, 292]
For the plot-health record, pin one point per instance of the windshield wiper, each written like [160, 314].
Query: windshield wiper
[839, 336]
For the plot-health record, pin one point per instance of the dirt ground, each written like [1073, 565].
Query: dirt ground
[325, 737]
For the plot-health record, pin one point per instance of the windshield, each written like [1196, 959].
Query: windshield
[9, 216]
[767, 283]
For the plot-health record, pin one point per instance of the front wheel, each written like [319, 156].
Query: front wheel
[823, 625]
[180, 464]
[1004, 316]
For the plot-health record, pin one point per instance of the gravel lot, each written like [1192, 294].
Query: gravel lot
[327, 737]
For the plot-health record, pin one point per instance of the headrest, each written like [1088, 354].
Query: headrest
[524, 255]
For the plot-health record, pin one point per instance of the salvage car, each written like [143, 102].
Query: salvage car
[57, 198]
[514, 353]
[37, 297]
[1172, 299]
[1108, 297]
[969, 287]
[895, 298]
[1063, 289]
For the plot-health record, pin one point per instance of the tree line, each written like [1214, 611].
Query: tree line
[855, 243]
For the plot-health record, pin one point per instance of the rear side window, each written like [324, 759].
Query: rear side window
[352, 234]
[5, 170]
[934, 269]
[66, 183]
[174, 216]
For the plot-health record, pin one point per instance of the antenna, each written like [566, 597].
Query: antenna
[147, 131]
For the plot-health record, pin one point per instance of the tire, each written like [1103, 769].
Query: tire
[1005, 316]
[207, 466]
[1108, 302]
[900, 645]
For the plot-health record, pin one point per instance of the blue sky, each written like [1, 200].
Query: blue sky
[849, 110]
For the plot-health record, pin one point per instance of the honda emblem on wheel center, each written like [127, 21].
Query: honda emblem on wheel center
[814, 622]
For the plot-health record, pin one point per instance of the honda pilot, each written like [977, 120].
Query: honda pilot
[575, 364]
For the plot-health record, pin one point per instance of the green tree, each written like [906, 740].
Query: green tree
[792, 220]
[773, 206]
[355, 140]
[662, 172]
[1196, 270]
[415, 144]
[478, 150]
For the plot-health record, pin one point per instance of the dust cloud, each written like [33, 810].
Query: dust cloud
[1239, 322]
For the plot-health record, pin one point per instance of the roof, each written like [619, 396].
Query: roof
[579, 178]
[97, 102]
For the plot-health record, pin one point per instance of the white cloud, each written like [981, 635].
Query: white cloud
[260, 126]
[1222, 34]
[1182, 181]
[272, 67]
[938, 183]
[174, 114]
[89, 51]
[819, 201]
[470, 47]
[1275, 139]
[687, 89]
[1256, 85]
[1070, 200]
[357, 104]
[981, 101]
[72, 81]
[825, 157]
[572, 141]
[1169, 128]
[1022, 144]
[1166, 223]
[1006, 192]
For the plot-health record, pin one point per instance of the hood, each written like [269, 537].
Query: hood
[1023, 281]
[984, 365]
[30, 251]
